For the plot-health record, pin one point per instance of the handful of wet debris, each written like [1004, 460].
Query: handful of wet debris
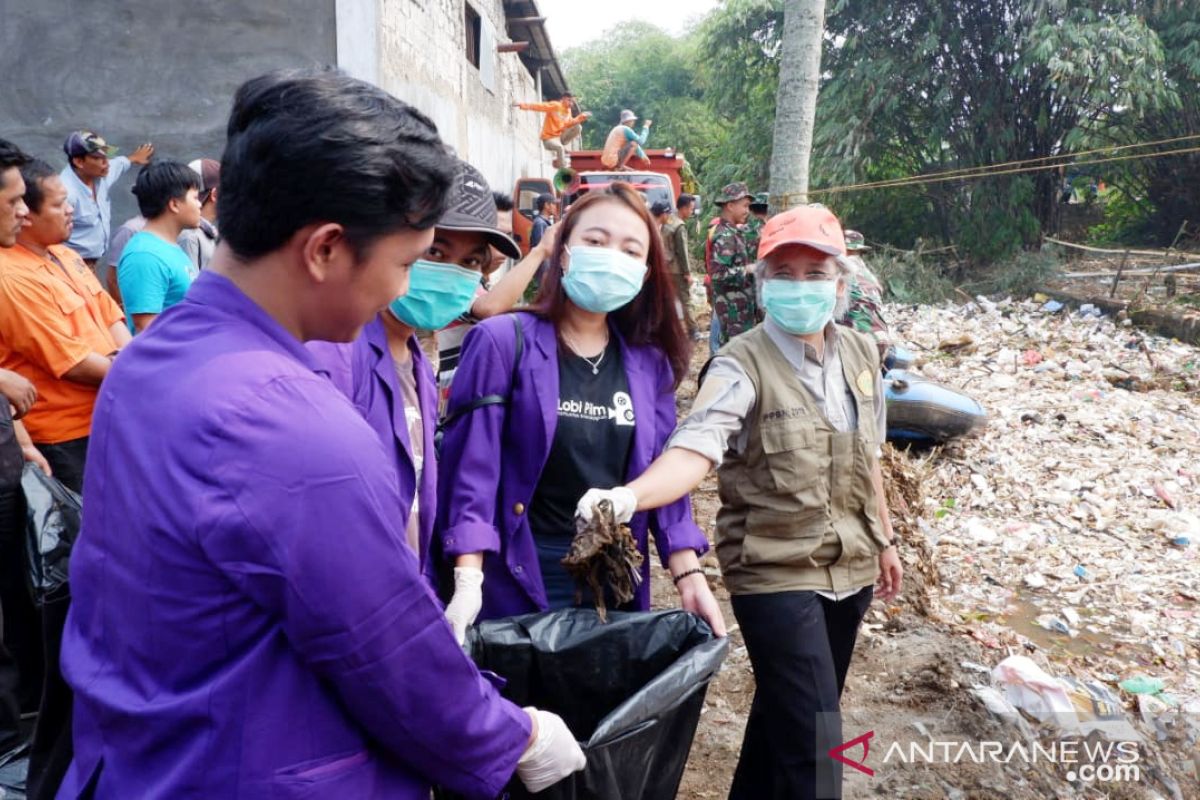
[604, 554]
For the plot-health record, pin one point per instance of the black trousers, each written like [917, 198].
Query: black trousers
[21, 631]
[10, 706]
[66, 461]
[50, 755]
[800, 645]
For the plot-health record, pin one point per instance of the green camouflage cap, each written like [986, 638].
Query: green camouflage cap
[760, 200]
[856, 241]
[732, 192]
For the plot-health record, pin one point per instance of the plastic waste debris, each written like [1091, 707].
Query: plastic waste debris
[1142, 684]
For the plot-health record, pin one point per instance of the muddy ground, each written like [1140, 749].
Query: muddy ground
[910, 681]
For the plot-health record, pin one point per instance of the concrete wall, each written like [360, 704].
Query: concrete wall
[145, 70]
[423, 61]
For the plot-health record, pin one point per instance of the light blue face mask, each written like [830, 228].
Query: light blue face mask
[602, 279]
[437, 295]
[799, 307]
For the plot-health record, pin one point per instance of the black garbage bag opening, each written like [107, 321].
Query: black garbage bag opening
[54, 515]
[630, 690]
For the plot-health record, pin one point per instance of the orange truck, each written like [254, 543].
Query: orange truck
[662, 179]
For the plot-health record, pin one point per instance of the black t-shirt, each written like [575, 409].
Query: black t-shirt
[590, 450]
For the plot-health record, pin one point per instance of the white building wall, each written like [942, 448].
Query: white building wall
[420, 52]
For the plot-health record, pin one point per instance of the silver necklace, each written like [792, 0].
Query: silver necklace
[595, 365]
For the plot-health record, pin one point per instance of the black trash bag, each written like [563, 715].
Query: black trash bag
[630, 690]
[54, 514]
[13, 766]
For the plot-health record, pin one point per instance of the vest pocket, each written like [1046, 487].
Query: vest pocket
[782, 537]
[790, 456]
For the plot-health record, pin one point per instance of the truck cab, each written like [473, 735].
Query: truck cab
[652, 185]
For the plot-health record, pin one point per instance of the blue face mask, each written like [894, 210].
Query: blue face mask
[799, 307]
[437, 295]
[602, 279]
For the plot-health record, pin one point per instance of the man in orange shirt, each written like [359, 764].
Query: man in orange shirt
[60, 329]
[560, 128]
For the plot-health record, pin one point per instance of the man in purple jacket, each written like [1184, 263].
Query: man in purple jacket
[248, 620]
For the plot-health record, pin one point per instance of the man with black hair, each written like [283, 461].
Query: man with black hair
[686, 206]
[93, 166]
[544, 210]
[562, 125]
[504, 222]
[20, 638]
[675, 248]
[60, 330]
[155, 273]
[247, 619]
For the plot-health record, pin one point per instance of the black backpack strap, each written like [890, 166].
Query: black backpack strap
[492, 399]
[704, 372]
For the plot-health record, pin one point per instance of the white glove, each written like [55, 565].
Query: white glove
[624, 503]
[464, 606]
[553, 755]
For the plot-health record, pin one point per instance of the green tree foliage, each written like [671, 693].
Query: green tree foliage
[930, 85]
[638, 66]
[1151, 198]
[710, 94]
[918, 86]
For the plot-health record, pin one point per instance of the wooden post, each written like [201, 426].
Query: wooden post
[1112, 292]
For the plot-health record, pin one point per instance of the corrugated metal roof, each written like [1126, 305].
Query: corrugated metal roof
[540, 54]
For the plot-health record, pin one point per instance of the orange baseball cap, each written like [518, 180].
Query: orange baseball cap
[810, 226]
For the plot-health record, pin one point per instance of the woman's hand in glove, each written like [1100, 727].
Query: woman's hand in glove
[464, 606]
[624, 503]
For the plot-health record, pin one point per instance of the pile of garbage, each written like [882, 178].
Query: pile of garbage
[1068, 529]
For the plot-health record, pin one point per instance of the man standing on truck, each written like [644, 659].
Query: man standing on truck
[559, 128]
[729, 261]
[622, 142]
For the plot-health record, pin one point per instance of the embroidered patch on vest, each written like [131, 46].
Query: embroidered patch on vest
[866, 382]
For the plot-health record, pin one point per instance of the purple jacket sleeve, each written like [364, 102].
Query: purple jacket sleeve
[672, 525]
[302, 520]
[469, 465]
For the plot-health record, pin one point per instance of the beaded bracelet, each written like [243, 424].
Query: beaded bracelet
[693, 571]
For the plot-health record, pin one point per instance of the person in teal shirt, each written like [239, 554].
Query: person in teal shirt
[624, 142]
[154, 272]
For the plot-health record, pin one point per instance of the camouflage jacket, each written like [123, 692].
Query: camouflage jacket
[729, 254]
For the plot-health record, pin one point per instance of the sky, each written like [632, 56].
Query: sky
[575, 22]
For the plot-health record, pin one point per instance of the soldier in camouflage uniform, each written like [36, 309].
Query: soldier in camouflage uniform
[759, 203]
[865, 310]
[730, 264]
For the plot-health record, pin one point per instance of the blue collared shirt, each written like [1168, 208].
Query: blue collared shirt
[93, 215]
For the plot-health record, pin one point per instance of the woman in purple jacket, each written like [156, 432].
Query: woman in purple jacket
[591, 399]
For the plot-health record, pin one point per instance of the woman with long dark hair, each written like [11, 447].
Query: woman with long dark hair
[577, 391]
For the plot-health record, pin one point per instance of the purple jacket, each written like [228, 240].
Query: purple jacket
[492, 459]
[364, 371]
[247, 620]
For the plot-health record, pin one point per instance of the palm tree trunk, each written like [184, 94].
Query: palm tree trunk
[796, 101]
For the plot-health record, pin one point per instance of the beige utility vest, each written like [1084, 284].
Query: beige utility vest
[798, 509]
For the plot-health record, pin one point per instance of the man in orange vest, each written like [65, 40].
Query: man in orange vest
[559, 128]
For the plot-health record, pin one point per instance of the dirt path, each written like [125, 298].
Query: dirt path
[911, 680]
